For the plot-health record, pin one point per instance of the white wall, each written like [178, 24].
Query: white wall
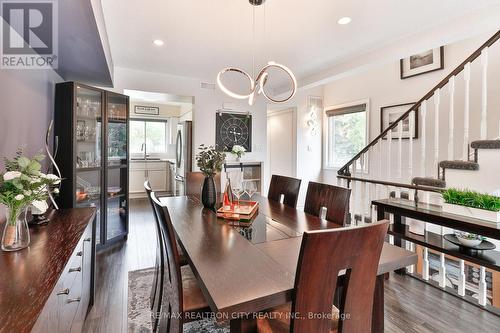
[206, 103]
[308, 146]
[383, 87]
[27, 107]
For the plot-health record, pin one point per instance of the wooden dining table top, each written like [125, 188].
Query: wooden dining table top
[250, 269]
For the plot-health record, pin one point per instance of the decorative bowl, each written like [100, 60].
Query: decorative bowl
[468, 239]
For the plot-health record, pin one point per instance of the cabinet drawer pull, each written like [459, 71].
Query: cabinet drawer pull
[87, 239]
[78, 269]
[72, 300]
[79, 253]
[63, 292]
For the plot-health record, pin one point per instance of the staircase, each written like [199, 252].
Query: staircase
[458, 146]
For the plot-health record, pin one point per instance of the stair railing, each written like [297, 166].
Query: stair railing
[353, 174]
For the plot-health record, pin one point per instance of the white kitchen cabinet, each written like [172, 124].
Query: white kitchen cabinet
[157, 172]
[173, 121]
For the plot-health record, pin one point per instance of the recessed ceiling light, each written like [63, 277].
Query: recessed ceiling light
[344, 20]
[158, 42]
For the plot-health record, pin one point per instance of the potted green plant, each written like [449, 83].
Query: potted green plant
[210, 161]
[23, 185]
[472, 204]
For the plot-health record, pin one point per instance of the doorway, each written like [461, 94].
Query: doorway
[282, 142]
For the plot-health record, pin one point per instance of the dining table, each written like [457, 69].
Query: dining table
[246, 269]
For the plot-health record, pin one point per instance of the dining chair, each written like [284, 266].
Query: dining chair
[194, 183]
[286, 186]
[182, 299]
[333, 198]
[156, 289]
[323, 255]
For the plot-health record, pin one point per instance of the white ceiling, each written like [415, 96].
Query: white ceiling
[201, 37]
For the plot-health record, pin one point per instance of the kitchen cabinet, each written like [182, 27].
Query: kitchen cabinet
[157, 172]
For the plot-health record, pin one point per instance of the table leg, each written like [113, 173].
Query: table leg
[243, 325]
[399, 228]
[378, 306]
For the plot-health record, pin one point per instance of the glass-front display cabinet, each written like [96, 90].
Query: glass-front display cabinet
[91, 134]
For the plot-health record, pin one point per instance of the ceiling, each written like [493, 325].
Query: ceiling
[202, 37]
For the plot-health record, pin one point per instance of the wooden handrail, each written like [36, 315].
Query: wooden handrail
[393, 184]
[345, 169]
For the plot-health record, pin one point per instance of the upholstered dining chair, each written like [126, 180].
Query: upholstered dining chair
[323, 255]
[335, 199]
[182, 299]
[156, 289]
[194, 183]
[286, 186]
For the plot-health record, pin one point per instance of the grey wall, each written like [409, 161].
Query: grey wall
[26, 108]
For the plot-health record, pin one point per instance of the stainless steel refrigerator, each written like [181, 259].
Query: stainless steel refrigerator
[183, 155]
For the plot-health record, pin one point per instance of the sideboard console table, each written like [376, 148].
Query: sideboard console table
[402, 208]
[49, 286]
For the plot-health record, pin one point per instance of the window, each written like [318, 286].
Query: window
[149, 136]
[346, 133]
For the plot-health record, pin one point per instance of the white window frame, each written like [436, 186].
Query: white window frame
[167, 134]
[326, 125]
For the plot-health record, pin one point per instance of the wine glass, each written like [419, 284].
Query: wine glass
[237, 192]
[250, 188]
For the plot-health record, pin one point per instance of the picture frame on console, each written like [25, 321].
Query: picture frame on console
[422, 63]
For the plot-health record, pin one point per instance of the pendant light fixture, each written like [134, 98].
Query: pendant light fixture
[257, 85]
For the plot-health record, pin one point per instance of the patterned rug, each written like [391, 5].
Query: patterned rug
[139, 312]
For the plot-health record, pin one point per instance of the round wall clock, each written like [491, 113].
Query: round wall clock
[233, 129]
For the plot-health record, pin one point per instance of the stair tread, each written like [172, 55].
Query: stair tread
[429, 181]
[460, 165]
[485, 144]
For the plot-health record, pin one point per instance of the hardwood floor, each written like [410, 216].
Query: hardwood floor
[410, 305]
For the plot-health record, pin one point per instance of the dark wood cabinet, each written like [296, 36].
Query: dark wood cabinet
[54, 277]
[91, 128]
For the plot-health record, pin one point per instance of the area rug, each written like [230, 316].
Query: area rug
[139, 312]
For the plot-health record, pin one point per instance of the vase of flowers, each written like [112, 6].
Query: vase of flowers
[239, 151]
[210, 161]
[23, 185]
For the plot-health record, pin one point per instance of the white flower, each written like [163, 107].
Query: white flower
[11, 175]
[53, 178]
[28, 192]
[40, 207]
[56, 191]
[238, 149]
[19, 197]
[34, 180]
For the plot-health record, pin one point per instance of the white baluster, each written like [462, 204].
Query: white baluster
[484, 94]
[410, 152]
[423, 157]
[368, 203]
[389, 155]
[362, 191]
[400, 150]
[451, 122]
[425, 264]
[482, 286]
[461, 279]
[437, 100]
[466, 112]
[410, 247]
[442, 271]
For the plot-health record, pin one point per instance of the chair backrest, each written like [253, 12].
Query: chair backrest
[194, 183]
[289, 187]
[171, 302]
[335, 199]
[323, 255]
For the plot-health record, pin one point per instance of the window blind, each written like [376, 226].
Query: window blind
[346, 110]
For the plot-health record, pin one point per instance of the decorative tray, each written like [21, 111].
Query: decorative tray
[243, 211]
[485, 245]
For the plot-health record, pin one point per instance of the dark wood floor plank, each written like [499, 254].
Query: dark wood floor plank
[410, 305]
